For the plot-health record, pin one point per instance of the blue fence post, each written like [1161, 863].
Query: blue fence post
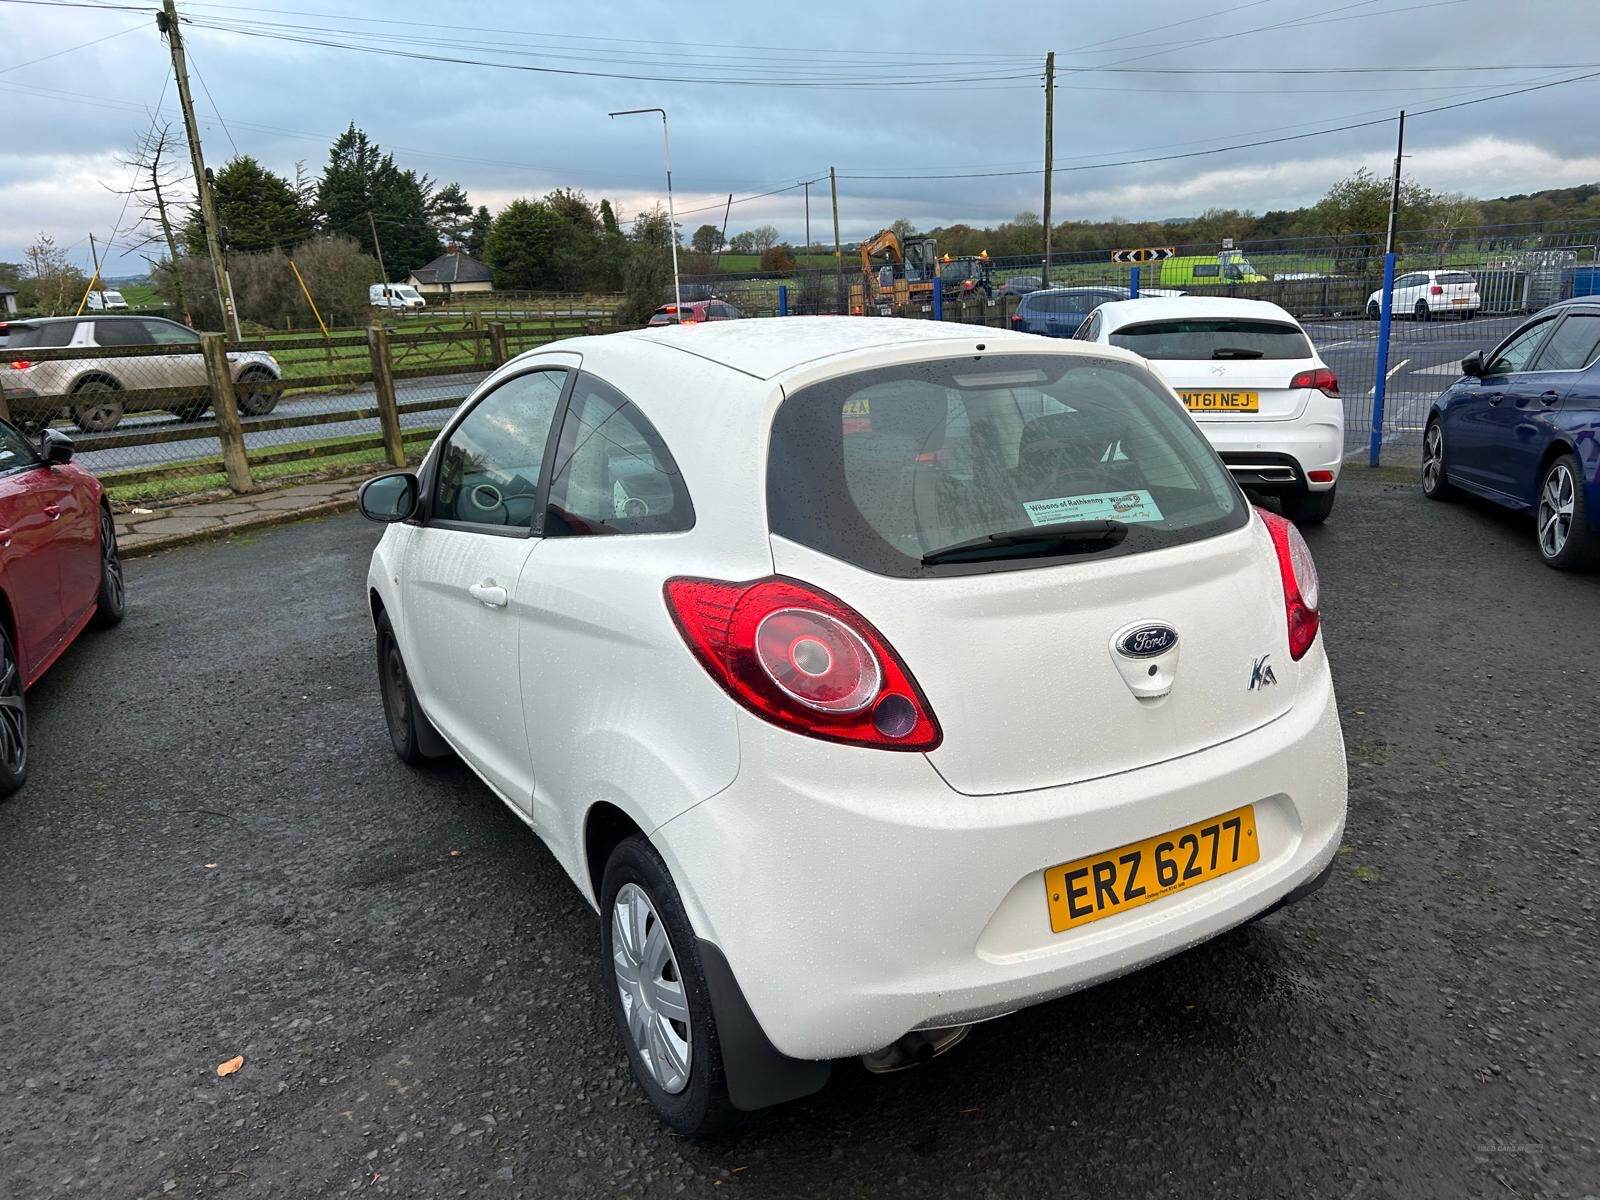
[938, 297]
[1133, 283]
[783, 300]
[1385, 315]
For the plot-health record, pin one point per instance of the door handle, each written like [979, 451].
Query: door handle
[1495, 398]
[5, 538]
[489, 594]
[1548, 398]
[54, 510]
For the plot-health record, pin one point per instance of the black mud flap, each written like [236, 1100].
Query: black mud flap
[758, 1074]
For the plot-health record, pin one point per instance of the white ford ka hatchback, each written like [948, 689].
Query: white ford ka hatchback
[871, 678]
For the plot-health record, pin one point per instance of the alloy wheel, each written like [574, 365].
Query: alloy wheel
[13, 714]
[651, 985]
[1432, 457]
[110, 560]
[1556, 502]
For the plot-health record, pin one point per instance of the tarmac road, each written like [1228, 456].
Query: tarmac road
[218, 855]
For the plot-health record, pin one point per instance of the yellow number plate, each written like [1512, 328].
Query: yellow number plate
[1222, 401]
[1102, 884]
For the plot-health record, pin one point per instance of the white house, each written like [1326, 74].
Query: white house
[451, 273]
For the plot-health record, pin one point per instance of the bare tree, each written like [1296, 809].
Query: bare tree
[53, 282]
[157, 172]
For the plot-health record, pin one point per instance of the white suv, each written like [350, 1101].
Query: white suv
[870, 678]
[1428, 294]
[1252, 381]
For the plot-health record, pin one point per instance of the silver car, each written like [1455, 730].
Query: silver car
[96, 390]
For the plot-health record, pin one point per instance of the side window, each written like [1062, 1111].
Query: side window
[16, 452]
[1089, 331]
[120, 333]
[489, 469]
[1516, 353]
[168, 333]
[1572, 346]
[613, 473]
[1206, 270]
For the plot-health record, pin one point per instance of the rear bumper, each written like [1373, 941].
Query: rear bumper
[1313, 441]
[853, 907]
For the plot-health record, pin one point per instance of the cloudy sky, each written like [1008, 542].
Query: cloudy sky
[904, 92]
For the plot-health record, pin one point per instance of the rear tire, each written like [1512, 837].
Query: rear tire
[650, 954]
[1435, 484]
[1308, 507]
[255, 402]
[1561, 518]
[1422, 312]
[111, 600]
[13, 720]
[1374, 310]
[95, 407]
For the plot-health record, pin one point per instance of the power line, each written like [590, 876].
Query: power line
[70, 49]
[1293, 137]
[207, 88]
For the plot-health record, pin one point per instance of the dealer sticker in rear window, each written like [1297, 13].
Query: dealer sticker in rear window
[1137, 505]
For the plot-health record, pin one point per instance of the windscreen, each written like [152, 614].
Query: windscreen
[883, 467]
[1212, 337]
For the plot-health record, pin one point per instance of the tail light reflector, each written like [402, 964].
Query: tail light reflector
[1301, 592]
[803, 660]
[1435, 290]
[1324, 380]
[21, 364]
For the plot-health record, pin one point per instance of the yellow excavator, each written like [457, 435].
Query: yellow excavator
[897, 273]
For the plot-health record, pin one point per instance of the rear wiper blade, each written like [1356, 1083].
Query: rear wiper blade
[1042, 539]
[1235, 352]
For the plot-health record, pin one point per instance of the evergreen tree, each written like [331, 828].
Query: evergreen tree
[478, 231]
[360, 179]
[451, 214]
[257, 209]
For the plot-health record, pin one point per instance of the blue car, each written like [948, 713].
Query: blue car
[1522, 428]
[1057, 312]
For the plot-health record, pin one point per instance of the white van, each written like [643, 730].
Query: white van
[395, 295]
[106, 301]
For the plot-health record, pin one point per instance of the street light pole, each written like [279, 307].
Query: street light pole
[672, 217]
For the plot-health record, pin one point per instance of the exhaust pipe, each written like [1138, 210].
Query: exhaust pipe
[914, 1049]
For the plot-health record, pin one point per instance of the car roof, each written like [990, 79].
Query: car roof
[768, 348]
[1157, 308]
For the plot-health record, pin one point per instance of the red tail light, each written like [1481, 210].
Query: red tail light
[21, 364]
[1016, 318]
[1322, 379]
[805, 661]
[1300, 588]
[1435, 290]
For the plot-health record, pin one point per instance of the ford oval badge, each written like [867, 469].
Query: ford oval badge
[1147, 641]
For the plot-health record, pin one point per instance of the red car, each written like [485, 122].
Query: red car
[59, 571]
[693, 312]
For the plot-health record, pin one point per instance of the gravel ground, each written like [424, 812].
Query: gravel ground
[217, 855]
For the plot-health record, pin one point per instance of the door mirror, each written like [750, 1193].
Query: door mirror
[388, 498]
[55, 447]
[1472, 365]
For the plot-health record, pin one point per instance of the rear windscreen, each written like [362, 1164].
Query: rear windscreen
[1455, 277]
[56, 333]
[882, 467]
[1212, 337]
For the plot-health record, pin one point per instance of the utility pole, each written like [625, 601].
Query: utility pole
[94, 255]
[1394, 187]
[726, 213]
[808, 217]
[1049, 152]
[372, 224]
[838, 254]
[167, 23]
[672, 216]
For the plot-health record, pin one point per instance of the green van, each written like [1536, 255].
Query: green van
[1209, 270]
